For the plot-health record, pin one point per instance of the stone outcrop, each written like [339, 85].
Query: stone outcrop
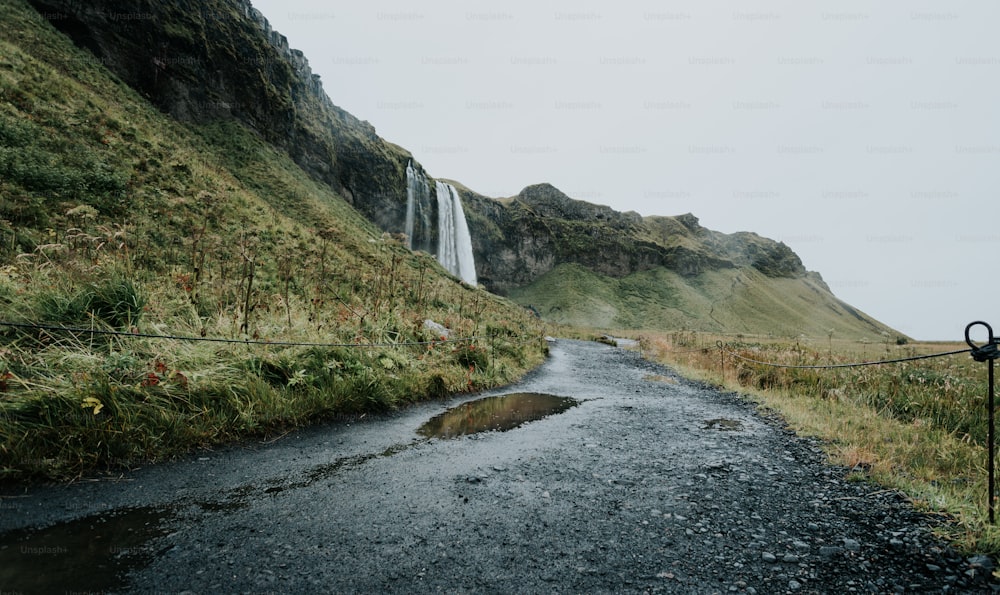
[546, 200]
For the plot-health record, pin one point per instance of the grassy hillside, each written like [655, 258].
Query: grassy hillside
[727, 300]
[116, 218]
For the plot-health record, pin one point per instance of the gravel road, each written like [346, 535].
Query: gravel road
[645, 482]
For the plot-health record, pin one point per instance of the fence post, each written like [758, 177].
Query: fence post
[987, 353]
[722, 361]
[493, 351]
[991, 439]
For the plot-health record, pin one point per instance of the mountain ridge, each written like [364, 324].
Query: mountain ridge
[584, 264]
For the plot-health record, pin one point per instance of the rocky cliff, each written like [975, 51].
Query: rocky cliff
[207, 60]
[589, 265]
[518, 240]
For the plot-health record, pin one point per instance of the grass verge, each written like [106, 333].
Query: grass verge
[72, 403]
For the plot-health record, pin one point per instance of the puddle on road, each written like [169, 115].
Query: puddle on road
[501, 413]
[91, 554]
[723, 424]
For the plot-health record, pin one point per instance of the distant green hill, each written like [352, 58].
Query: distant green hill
[724, 301]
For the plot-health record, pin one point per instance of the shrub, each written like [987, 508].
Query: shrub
[436, 387]
[23, 210]
[116, 302]
[468, 355]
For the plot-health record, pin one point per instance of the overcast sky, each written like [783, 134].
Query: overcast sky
[865, 135]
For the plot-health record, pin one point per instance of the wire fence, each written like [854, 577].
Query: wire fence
[735, 355]
[832, 366]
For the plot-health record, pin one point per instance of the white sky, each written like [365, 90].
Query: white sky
[863, 134]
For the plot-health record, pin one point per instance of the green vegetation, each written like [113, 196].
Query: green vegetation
[114, 217]
[918, 426]
[741, 300]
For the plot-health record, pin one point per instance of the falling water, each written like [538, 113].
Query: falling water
[463, 241]
[454, 240]
[418, 210]
[411, 203]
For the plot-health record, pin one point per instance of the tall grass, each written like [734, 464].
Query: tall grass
[918, 426]
[73, 402]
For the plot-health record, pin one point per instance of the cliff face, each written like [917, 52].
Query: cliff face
[519, 240]
[206, 60]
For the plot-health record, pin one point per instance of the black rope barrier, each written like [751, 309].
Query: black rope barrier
[683, 351]
[851, 365]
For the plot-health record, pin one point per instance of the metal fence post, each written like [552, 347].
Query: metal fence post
[991, 439]
[987, 353]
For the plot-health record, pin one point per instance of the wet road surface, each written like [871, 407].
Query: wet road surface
[603, 473]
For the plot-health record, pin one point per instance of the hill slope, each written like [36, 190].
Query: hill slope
[589, 265]
[120, 219]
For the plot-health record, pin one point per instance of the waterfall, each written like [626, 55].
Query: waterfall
[463, 241]
[418, 210]
[454, 240]
[454, 243]
[411, 203]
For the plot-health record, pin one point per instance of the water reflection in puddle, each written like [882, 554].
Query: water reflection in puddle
[91, 554]
[501, 413]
